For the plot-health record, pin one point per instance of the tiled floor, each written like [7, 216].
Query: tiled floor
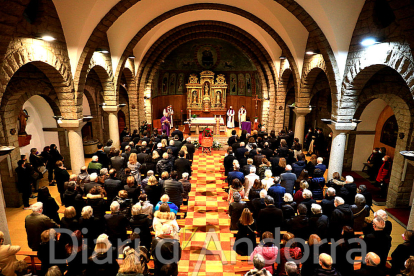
[207, 225]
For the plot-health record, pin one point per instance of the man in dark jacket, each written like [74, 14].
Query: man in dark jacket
[318, 223]
[299, 225]
[352, 190]
[141, 155]
[327, 203]
[341, 216]
[240, 151]
[370, 267]
[102, 157]
[299, 165]
[177, 142]
[379, 241]
[288, 179]
[362, 189]
[173, 148]
[35, 224]
[164, 165]
[258, 204]
[116, 223]
[61, 176]
[235, 210]
[326, 269]
[23, 183]
[267, 151]
[270, 217]
[257, 159]
[179, 133]
[182, 165]
[228, 162]
[232, 139]
[190, 149]
[235, 174]
[112, 185]
[277, 192]
[174, 189]
[118, 162]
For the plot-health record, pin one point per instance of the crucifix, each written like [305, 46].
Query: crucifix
[256, 99]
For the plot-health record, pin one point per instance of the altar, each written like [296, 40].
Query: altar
[215, 123]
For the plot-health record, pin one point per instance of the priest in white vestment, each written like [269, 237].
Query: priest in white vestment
[230, 117]
[242, 115]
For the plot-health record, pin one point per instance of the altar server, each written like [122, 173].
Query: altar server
[230, 117]
[242, 115]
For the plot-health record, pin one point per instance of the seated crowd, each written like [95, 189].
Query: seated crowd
[121, 210]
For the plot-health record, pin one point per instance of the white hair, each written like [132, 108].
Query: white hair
[136, 209]
[268, 173]
[349, 179]
[263, 193]
[287, 197]
[95, 158]
[144, 143]
[159, 145]
[93, 177]
[242, 144]
[185, 175]
[172, 143]
[150, 173]
[252, 169]
[331, 191]
[103, 239]
[381, 213]
[316, 208]
[127, 148]
[339, 200]
[87, 212]
[288, 167]
[165, 155]
[237, 166]
[37, 207]
[307, 193]
[188, 139]
[103, 171]
[114, 206]
[319, 160]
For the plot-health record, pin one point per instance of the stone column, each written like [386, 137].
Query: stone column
[77, 156]
[3, 219]
[113, 124]
[300, 122]
[336, 159]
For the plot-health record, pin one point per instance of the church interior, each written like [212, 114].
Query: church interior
[79, 73]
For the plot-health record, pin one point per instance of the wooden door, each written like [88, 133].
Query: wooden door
[121, 121]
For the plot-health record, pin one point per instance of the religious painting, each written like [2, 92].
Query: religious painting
[241, 85]
[389, 132]
[164, 84]
[171, 90]
[248, 85]
[233, 84]
[207, 56]
[180, 84]
[258, 86]
[155, 85]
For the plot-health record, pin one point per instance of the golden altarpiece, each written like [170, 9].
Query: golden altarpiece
[206, 95]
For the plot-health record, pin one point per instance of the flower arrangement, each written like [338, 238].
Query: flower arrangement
[207, 132]
[194, 116]
[217, 145]
[196, 144]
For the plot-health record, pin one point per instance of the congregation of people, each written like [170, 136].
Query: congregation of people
[125, 193]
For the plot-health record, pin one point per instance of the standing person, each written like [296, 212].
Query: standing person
[47, 159]
[230, 117]
[384, 175]
[288, 179]
[108, 147]
[102, 156]
[61, 175]
[165, 124]
[35, 224]
[308, 140]
[7, 257]
[402, 252]
[36, 162]
[169, 112]
[182, 164]
[379, 241]
[23, 183]
[112, 185]
[247, 228]
[242, 115]
[54, 157]
[50, 207]
[269, 217]
[174, 189]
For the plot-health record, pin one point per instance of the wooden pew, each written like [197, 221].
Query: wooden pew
[31, 259]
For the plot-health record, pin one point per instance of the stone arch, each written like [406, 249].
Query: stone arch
[312, 69]
[219, 30]
[51, 65]
[105, 76]
[131, 110]
[370, 62]
[282, 90]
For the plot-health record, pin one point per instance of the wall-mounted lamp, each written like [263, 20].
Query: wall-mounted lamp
[282, 57]
[131, 57]
[58, 119]
[121, 105]
[45, 37]
[369, 41]
[87, 118]
[102, 104]
[103, 51]
[328, 121]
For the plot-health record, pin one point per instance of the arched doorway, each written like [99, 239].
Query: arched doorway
[121, 121]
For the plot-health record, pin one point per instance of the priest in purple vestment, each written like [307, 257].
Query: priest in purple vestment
[165, 124]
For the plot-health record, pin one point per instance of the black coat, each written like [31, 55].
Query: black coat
[369, 271]
[112, 187]
[299, 226]
[269, 219]
[245, 232]
[97, 266]
[116, 225]
[228, 164]
[50, 208]
[182, 165]
[174, 189]
[23, 180]
[319, 224]
[308, 203]
[379, 242]
[61, 176]
[231, 140]
[102, 158]
[257, 205]
[164, 165]
[289, 210]
[326, 272]
[328, 205]
[179, 133]
[153, 193]
[69, 198]
[190, 150]
[143, 223]
[235, 211]
[341, 216]
[400, 255]
[168, 248]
